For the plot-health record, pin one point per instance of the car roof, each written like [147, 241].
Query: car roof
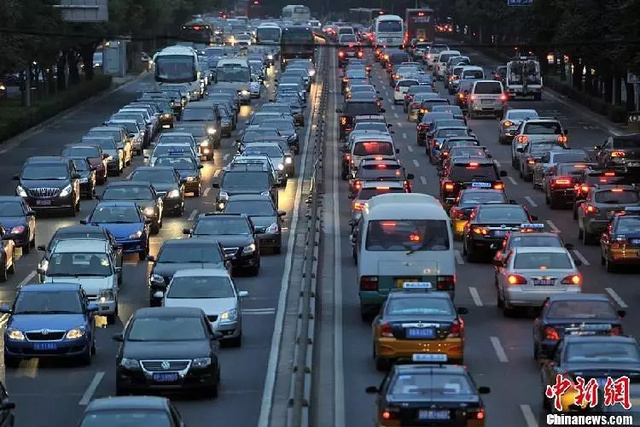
[117, 203]
[73, 229]
[55, 287]
[538, 250]
[202, 272]
[84, 245]
[574, 297]
[148, 168]
[600, 338]
[411, 294]
[168, 312]
[128, 402]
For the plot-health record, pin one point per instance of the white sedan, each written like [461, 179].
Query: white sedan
[531, 274]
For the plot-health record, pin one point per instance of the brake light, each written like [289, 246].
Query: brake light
[523, 139]
[389, 414]
[449, 186]
[561, 182]
[455, 331]
[461, 95]
[574, 279]
[480, 414]
[358, 185]
[618, 154]
[515, 279]
[357, 206]
[503, 97]
[616, 330]
[347, 157]
[498, 186]
[551, 334]
[480, 230]
[385, 330]
[422, 126]
[562, 139]
[609, 174]
[617, 190]
[445, 283]
[591, 209]
[456, 213]
[360, 53]
[508, 123]
[340, 54]
[473, 97]
[343, 121]
[584, 188]
[381, 166]
[369, 283]
[445, 153]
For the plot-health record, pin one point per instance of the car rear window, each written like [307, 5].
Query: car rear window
[407, 83]
[403, 235]
[488, 88]
[360, 108]
[581, 310]
[371, 148]
[467, 173]
[367, 193]
[543, 128]
[398, 58]
[542, 261]
[616, 197]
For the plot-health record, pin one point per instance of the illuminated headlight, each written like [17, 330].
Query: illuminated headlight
[136, 235]
[223, 196]
[288, 160]
[312, 73]
[156, 278]
[173, 194]
[249, 249]
[66, 191]
[270, 57]
[17, 229]
[221, 205]
[75, 333]
[244, 92]
[211, 131]
[167, 115]
[44, 265]
[273, 228]
[84, 180]
[229, 316]
[106, 295]
[204, 143]
[15, 335]
[280, 167]
[201, 362]
[191, 178]
[149, 211]
[130, 363]
[97, 64]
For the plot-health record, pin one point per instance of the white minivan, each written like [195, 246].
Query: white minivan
[402, 238]
[441, 64]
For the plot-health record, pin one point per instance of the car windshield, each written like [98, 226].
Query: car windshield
[543, 128]
[540, 149]
[482, 197]
[367, 193]
[449, 122]
[521, 115]
[116, 214]
[371, 148]
[371, 126]
[126, 418]
[601, 351]
[251, 208]
[469, 172]
[533, 240]
[222, 226]
[360, 108]
[613, 197]
[408, 235]
[81, 165]
[280, 125]
[581, 310]
[75, 264]
[159, 176]
[113, 133]
[104, 143]
[174, 139]
[428, 383]
[233, 73]
[51, 302]
[11, 209]
[488, 88]
[245, 180]
[89, 152]
[186, 254]
[362, 88]
[419, 306]
[167, 328]
[542, 261]
[503, 213]
[447, 133]
[43, 171]
[198, 114]
[200, 287]
[272, 151]
[628, 225]
[182, 163]
[129, 192]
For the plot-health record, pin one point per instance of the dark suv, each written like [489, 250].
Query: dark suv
[49, 183]
[245, 181]
[620, 152]
[353, 108]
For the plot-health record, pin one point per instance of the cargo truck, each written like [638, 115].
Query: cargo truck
[524, 78]
[420, 25]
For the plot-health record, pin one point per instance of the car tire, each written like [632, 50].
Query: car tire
[11, 362]
[155, 227]
[3, 274]
[235, 342]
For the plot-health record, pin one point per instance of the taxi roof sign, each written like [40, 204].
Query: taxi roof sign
[410, 286]
[429, 357]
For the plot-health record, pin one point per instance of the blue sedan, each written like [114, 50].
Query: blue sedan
[19, 222]
[126, 222]
[50, 321]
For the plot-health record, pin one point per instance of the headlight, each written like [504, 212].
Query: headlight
[106, 295]
[221, 205]
[65, 191]
[84, 180]
[130, 363]
[249, 249]
[223, 196]
[14, 334]
[229, 316]
[270, 57]
[280, 166]
[149, 211]
[204, 143]
[312, 73]
[156, 278]
[44, 265]
[75, 333]
[288, 160]
[136, 235]
[167, 115]
[20, 191]
[191, 178]
[110, 158]
[211, 131]
[273, 228]
[17, 229]
[173, 194]
[201, 362]
[244, 92]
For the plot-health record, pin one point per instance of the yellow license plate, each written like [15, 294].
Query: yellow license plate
[401, 282]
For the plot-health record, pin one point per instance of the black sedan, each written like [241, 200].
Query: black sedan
[168, 348]
[87, 174]
[167, 184]
[145, 196]
[19, 222]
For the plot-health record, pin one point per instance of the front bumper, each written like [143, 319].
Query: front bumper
[131, 246]
[172, 205]
[50, 204]
[105, 307]
[59, 349]
[515, 296]
[139, 380]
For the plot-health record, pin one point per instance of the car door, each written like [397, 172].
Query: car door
[550, 367]
[538, 168]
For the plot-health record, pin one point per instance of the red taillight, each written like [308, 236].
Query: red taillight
[360, 53]
[480, 415]
[515, 279]
[503, 97]
[531, 161]
[369, 283]
[455, 331]
[573, 279]
[616, 330]
[523, 139]
[618, 154]
[473, 97]
[609, 174]
[357, 206]
[358, 185]
[584, 189]
[498, 186]
[385, 330]
[341, 54]
[390, 414]
[449, 186]
[480, 230]
[456, 213]
[445, 283]
[591, 209]
[551, 334]
[421, 127]
[347, 157]
[562, 139]
[561, 182]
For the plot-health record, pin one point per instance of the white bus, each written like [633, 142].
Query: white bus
[176, 64]
[268, 34]
[296, 13]
[388, 31]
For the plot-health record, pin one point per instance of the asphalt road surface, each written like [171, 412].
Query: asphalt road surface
[498, 351]
[60, 391]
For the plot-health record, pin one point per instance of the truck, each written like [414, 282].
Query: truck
[524, 78]
[420, 25]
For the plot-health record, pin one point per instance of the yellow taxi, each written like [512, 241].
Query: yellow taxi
[620, 242]
[415, 320]
[466, 202]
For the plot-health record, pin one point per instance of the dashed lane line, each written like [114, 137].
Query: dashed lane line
[529, 417]
[90, 391]
[498, 164]
[217, 173]
[27, 279]
[393, 107]
[530, 201]
[396, 115]
[192, 215]
[399, 124]
[552, 226]
[512, 181]
[423, 180]
[206, 191]
[475, 296]
[614, 296]
[225, 157]
[459, 259]
[581, 257]
[497, 347]
[404, 135]
[416, 163]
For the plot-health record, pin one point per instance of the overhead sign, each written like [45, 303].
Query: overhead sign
[519, 2]
[84, 10]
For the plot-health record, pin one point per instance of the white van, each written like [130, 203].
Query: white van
[235, 73]
[487, 97]
[371, 144]
[441, 65]
[402, 238]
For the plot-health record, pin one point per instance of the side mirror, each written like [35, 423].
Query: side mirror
[118, 337]
[5, 309]
[215, 184]
[92, 308]
[151, 258]
[84, 222]
[534, 217]
[16, 177]
[351, 176]
[596, 148]
[243, 294]
[31, 213]
[371, 390]
[200, 166]
[577, 262]
[463, 310]
[410, 176]
[569, 246]
[158, 294]
[503, 173]
[383, 110]
[622, 313]
[282, 213]
[41, 248]
[339, 110]
[484, 390]
[186, 231]
[7, 406]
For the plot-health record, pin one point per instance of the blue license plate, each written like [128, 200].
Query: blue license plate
[481, 184]
[421, 333]
[635, 241]
[500, 233]
[543, 282]
[45, 346]
[425, 414]
[165, 377]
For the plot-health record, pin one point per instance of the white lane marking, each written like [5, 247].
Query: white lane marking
[475, 296]
[552, 226]
[274, 352]
[423, 180]
[90, 391]
[498, 164]
[497, 347]
[512, 181]
[581, 257]
[404, 136]
[416, 163]
[217, 173]
[528, 415]
[225, 157]
[206, 191]
[253, 311]
[27, 279]
[396, 115]
[614, 296]
[4, 319]
[393, 107]
[410, 148]
[192, 215]
[530, 200]
[459, 259]
[399, 124]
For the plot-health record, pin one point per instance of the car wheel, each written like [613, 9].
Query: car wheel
[235, 342]
[3, 274]
[155, 227]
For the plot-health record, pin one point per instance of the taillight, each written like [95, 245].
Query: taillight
[515, 279]
[584, 189]
[398, 88]
[561, 182]
[421, 127]
[340, 54]
[551, 334]
[498, 186]
[369, 283]
[616, 330]
[473, 97]
[357, 206]
[390, 414]
[455, 331]
[445, 153]
[503, 97]
[591, 209]
[477, 414]
[360, 54]
[456, 213]
[531, 161]
[618, 154]
[358, 185]
[385, 330]
[573, 279]
[445, 283]
[480, 230]
[461, 95]
[347, 157]
[523, 139]
[449, 186]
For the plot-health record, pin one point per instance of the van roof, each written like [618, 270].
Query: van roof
[372, 136]
[414, 206]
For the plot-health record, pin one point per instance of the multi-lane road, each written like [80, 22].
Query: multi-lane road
[498, 350]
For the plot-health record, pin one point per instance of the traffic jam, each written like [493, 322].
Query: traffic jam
[408, 238]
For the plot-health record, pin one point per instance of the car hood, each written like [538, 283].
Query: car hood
[237, 191]
[92, 285]
[38, 183]
[228, 241]
[210, 306]
[167, 270]
[8, 222]
[159, 350]
[121, 231]
[263, 221]
[31, 322]
[233, 85]
[164, 187]
[84, 174]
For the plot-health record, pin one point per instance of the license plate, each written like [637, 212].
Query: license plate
[635, 241]
[389, 40]
[481, 184]
[633, 164]
[165, 377]
[582, 333]
[543, 282]
[426, 414]
[351, 53]
[487, 101]
[45, 346]
[421, 333]
[43, 202]
[429, 357]
[401, 282]
[500, 233]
